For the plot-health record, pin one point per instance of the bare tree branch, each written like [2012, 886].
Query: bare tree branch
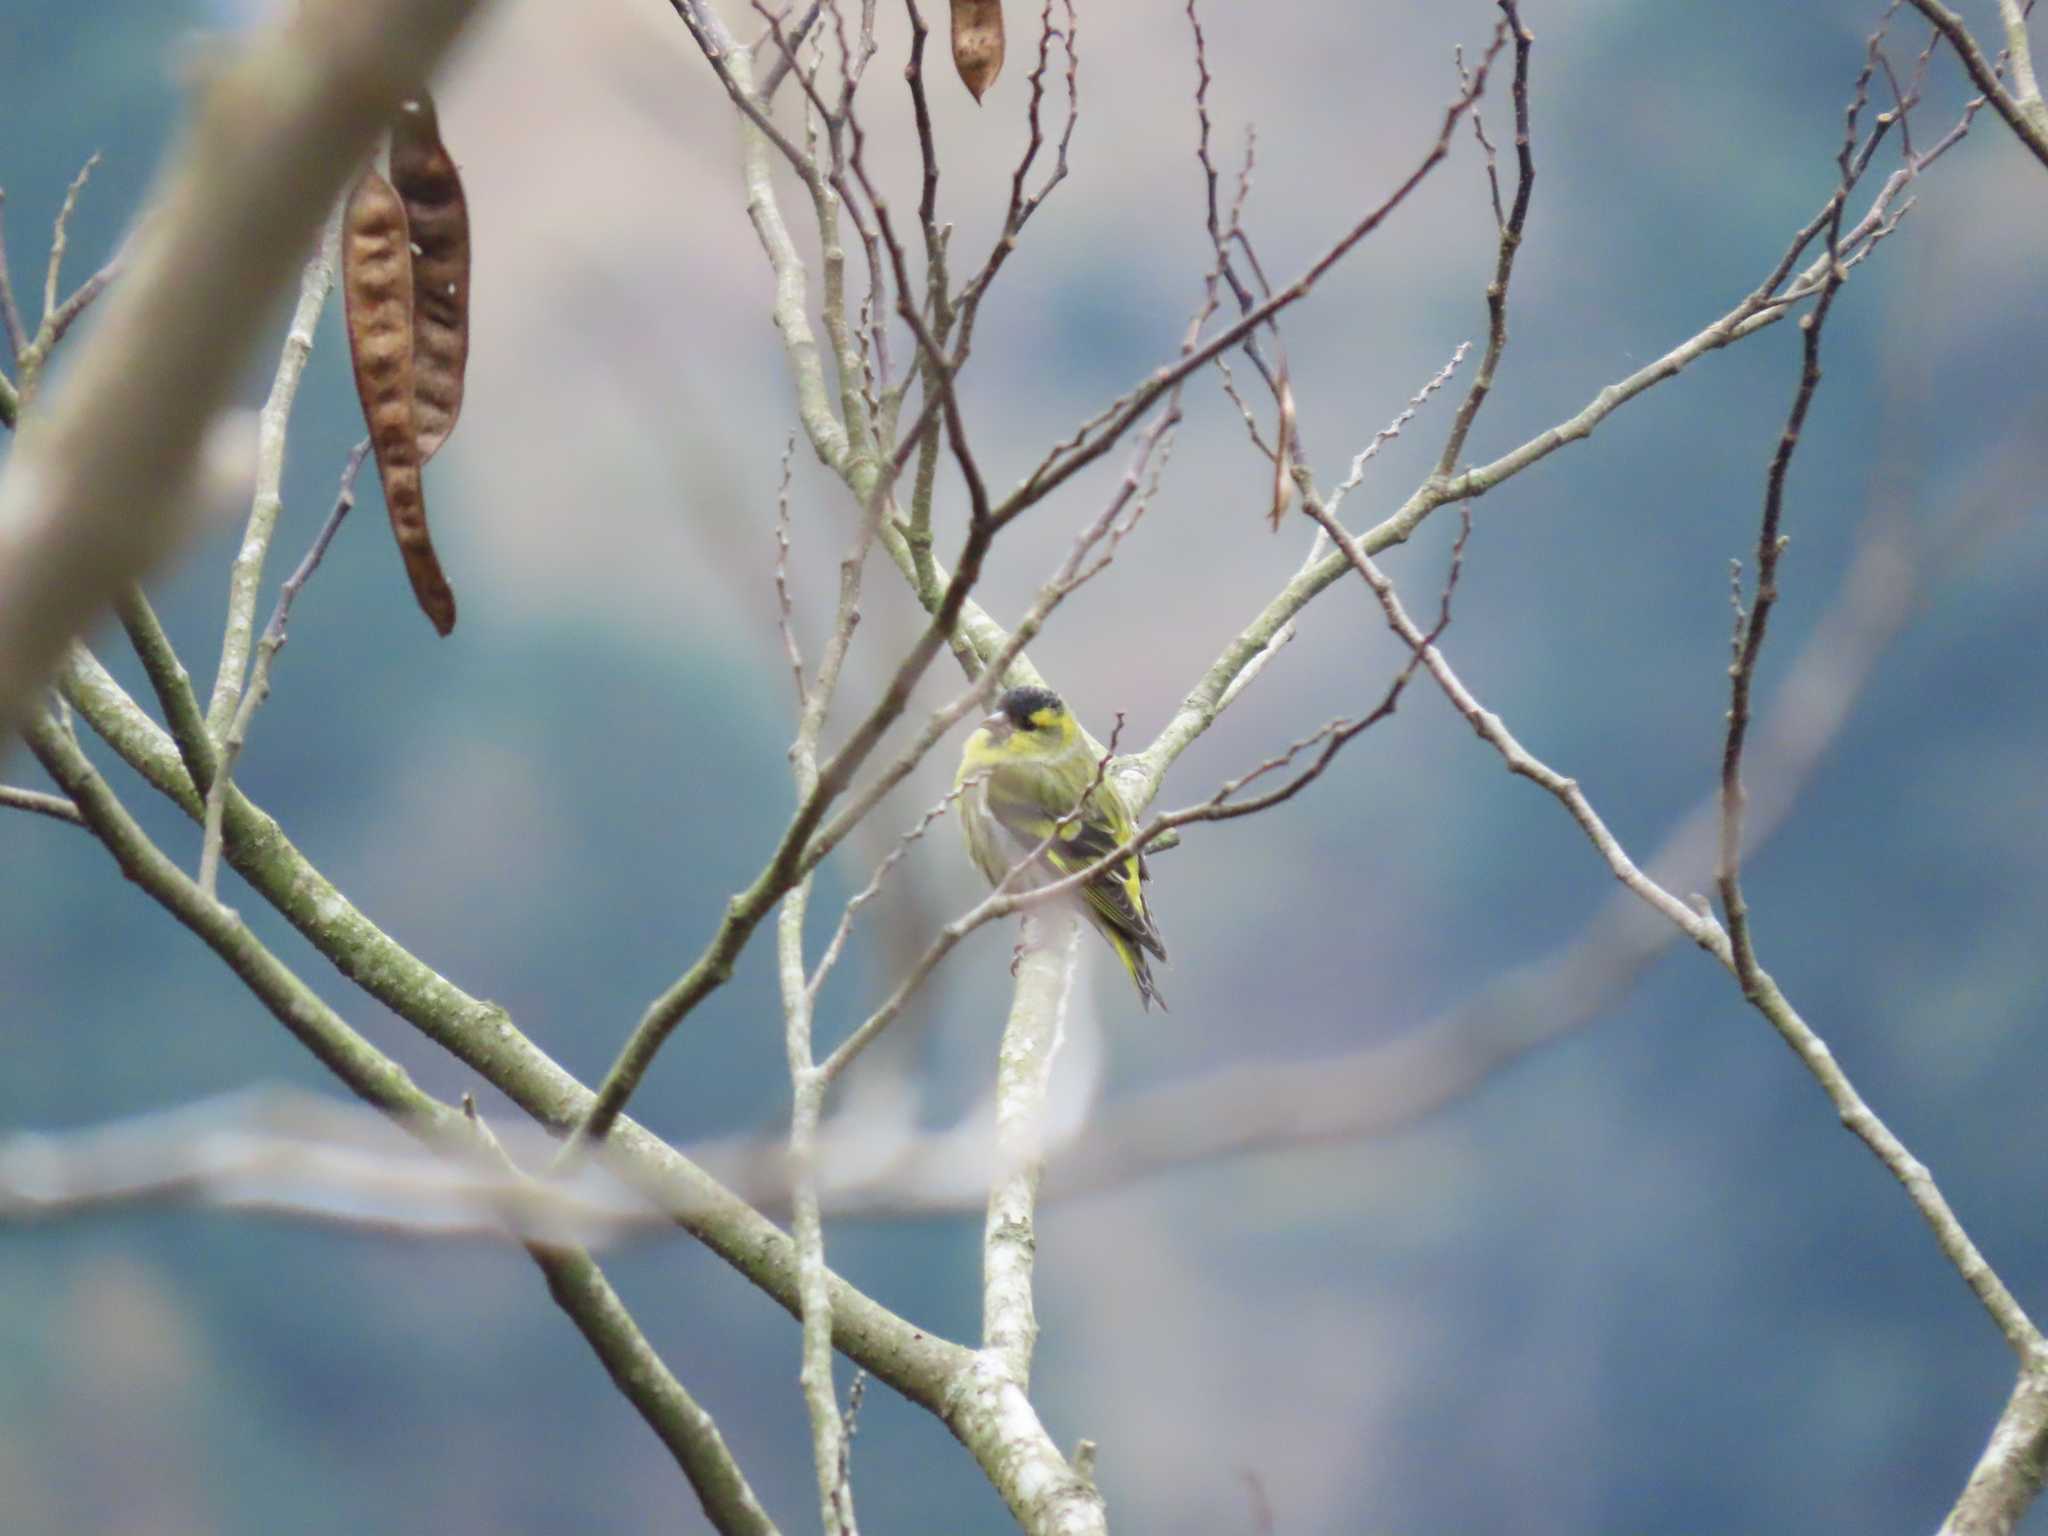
[1758, 987]
[10, 312]
[2022, 109]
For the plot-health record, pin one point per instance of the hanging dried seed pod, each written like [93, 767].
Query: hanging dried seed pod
[978, 43]
[437, 219]
[376, 281]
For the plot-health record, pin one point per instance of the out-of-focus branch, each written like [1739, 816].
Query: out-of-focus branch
[98, 486]
[284, 1151]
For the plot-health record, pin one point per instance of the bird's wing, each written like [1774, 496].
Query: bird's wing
[1117, 896]
[1119, 893]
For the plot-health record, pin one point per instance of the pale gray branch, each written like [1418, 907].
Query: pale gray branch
[1047, 950]
[245, 577]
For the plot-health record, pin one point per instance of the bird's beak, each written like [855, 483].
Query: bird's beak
[997, 725]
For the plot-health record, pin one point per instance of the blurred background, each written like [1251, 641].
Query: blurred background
[1637, 1280]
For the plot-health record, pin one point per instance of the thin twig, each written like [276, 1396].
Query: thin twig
[2024, 113]
[10, 312]
[1022, 204]
[808, 1083]
[1758, 987]
[245, 577]
[259, 676]
[56, 807]
[868, 892]
[779, 65]
[1392, 429]
[1510, 243]
[60, 234]
[1101, 431]
[1700, 928]
[1223, 230]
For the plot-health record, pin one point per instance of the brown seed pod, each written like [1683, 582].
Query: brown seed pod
[376, 282]
[978, 43]
[437, 219]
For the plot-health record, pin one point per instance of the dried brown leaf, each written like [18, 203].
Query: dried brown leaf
[978, 43]
[437, 218]
[376, 280]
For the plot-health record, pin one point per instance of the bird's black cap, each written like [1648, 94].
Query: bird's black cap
[1020, 704]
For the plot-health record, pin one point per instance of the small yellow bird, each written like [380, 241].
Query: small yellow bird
[1035, 769]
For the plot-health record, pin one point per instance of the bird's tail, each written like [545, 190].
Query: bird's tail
[1140, 968]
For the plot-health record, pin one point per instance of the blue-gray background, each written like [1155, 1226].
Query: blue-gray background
[1641, 1281]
